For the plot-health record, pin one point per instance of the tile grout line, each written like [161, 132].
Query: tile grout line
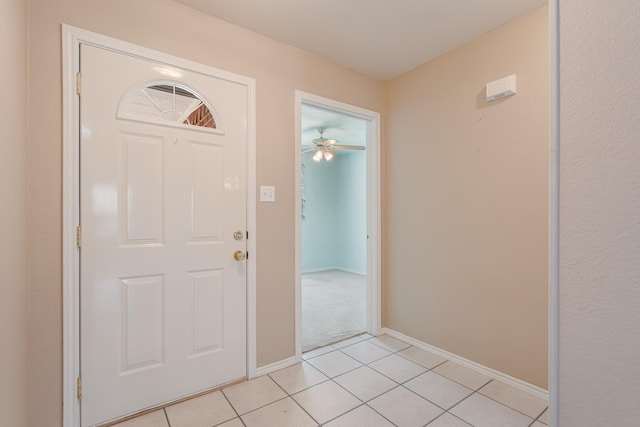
[360, 406]
[508, 406]
[483, 386]
[538, 417]
[342, 415]
[433, 403]
[261, 407]
[232, 407]
[290, 396]
[313, 357]
[398, 384]
[345, 389]
[166, 416]
[374, 410]
[399, 353]
[306, 388]
[449, 410]
[458, 382]
[389, 349]
[402, 384]
[478, 392]
[363, 403]
[342, 373]
[332, 345]
[375, 360]
[504, 404]
[445, 413]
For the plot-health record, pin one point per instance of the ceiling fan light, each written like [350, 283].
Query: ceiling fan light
[317, 156]
[328, 155]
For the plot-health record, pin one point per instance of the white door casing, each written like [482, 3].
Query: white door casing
[162, 300]
[374, 251]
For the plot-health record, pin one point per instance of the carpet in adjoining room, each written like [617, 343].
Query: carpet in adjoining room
[333, 307]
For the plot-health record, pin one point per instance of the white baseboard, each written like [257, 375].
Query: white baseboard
[349, 270]
[507, 379]
[275, 366]
[335, 267]
[318, 270]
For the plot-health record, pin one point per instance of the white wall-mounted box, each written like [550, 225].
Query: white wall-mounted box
[500, 88]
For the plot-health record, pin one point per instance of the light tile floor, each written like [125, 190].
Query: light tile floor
[364, 381]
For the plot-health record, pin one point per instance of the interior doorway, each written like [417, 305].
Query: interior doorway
[337, 268]
[334, 226]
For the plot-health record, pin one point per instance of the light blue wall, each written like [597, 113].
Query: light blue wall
[351, 212]
[334, 223]
[318, 222]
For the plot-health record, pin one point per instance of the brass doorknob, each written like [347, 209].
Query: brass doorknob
[239, 255]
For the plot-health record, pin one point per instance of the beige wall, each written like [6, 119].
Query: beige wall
[599, 258]
[467, 202]
[173, 28]
[13, 278]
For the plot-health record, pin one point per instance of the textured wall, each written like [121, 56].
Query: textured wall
[13, 278]
[599, 153]
[467, 202]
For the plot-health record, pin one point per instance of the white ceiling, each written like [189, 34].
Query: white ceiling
[378, 38]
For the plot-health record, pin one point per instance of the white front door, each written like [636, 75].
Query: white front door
[162, 298]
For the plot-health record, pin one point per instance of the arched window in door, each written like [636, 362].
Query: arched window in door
[169, 104]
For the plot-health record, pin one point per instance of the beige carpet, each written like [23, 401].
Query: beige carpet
[333, 307]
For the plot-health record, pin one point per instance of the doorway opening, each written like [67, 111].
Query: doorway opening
[337, 268]
[334, 226]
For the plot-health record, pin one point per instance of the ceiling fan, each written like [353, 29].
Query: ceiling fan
[325, 147]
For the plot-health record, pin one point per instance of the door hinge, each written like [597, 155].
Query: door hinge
[78, 236]
[79, 388]
[78, 83]
[247, 235]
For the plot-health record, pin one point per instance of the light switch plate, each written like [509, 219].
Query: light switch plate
[267, 193]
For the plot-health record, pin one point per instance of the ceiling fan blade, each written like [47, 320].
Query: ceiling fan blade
[349, 147]
[322, 141]
[309, 149]
[325, 142]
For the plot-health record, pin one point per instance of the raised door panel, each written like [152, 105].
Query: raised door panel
[207, 192]
[206, 312]
[142, 318]
[142, 189]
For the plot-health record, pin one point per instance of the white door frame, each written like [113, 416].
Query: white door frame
[373, 209]
[72, 37]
